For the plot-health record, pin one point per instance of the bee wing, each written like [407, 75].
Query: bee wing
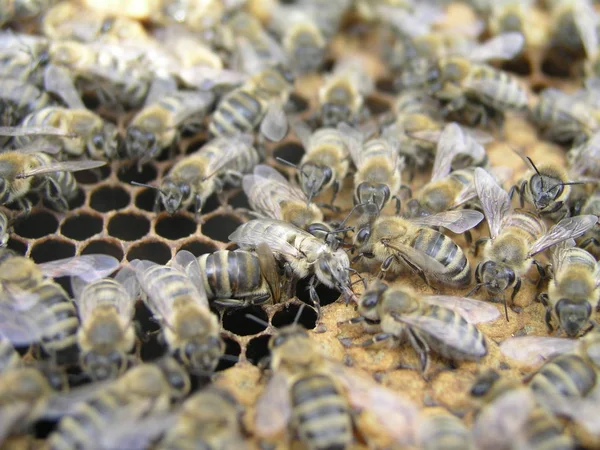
[131, 429]
[31, 131]
[474, 311]
[451, 140]
[506, 416]
[39, 145]
[11, 416]
[247, 236]
[204, 78]
[419, 260]
[569, 228]
[274, 125]
[273, 408]
[304, 133]
[586, 21]
[87, 267]
[411, 23]
[457, 221]
[535, 350]
[187, 263]
[397, 414]
[494, 200]
[23, 325]
[64, 403]
[558, 254]
[58, 81]
[62, 166]
[126, 277]
[159, 88]
[354, 140]
[268, 267]
[233, 147]
[503, 46]
[247, 58]
[191, 103]
[584, 412]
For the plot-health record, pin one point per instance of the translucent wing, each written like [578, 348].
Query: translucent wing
[273, 408]
[456, 221]
[304, 133]
[255, 232]
[536, 350]
[132, 430]
[474, 311]
[191, 103]
[31, 130]
[354, 141]
[274, 125]
[204, 78]
[503, 46]
[396, 414]
[126, 277]
[87, 267]
[62, 166]
[159, 88]
[558, 254]
[188, 264]
[23, 326]
[58, 81]
[494, 200]
[64, 403]
[39, 145]
[419, 260]
[586, 21]
[569, 228]
[232, 149]
[10, 416]
[268, 267]
[412, 23]
[451, 141]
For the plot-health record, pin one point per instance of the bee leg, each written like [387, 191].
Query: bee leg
[590, 241]
[398, 204]
[314, 297]
[385, 266]
[543, 298]
[422, 350]
[542, 271]
[380, 337]
[26, 206]
[354, 321]
[336, 189]
[478, 243]
[515, 291]
[468, 237]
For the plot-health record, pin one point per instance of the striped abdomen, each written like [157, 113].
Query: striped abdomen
[51, 116]
[444, 432]
[444, 250]
[566, 375]
[238, 112]
[231, 275]
[244, 162]
[506, 93]
[9, 357]
[472, 346]
[543, 432]
[320, 414]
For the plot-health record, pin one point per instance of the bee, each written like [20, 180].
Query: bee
[508, 410]
[590, 241]
[211, 419]
[19, 98]
[236, 279]
[257, 103]
[510, 16]
[144, 391]
[342, 96]
[583, 158]
[441, 324]
[315, 396]
[92, 133]
[573, 27]
[467, 84]
[106, 335]
[23, 57]
[22, 172]
[515, 238]
[5, 229]
[574, 290]
[438, 429]
[165, 111]
[175, 295]
[196, 177]
[325, 161]
[9, 357]
[35, 309]
[400, 243]
[302, 253]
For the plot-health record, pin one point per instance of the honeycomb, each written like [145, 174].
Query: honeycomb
[110, 216]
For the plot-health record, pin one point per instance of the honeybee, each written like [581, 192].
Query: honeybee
[211, 418]
[196, 177]
[510, 16]
[106, 335]
[325, 161]
[400, 243]
[508, 411]
[468, 85]
[316, 396]
[590, 241]
[19, 98]
[441, 324]
[5, 228]
[35, 309]
[258, 102]
[303, 254]
[92, 133]
[175, 295]
[341, 98]
[165, 111]
[574, 27]
[583, 158]
[515, 238]
[252, 278]
[101, 420]
[438, 429]
[23, 57]
[22, 172]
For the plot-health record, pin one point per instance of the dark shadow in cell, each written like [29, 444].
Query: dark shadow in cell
[103, 247]
[93, 176]
[194, 146]
[81, 227]
[152, 345]
[129, 227]
[37, 225]
[554, 68]
[519, 66]
[65, 283]
[198, 248]
[376, 106]
[145, 199]
[151, 250]
[291, 152]
[386, 85]
[326, 295]
[51, 250]
[237, 322]
[308, 318]
[239, 200]
[328, 64]
[220, 227]
[175, 227]
[17, 246]
[129, 173]
[109, 198]
[232, 351]
[43, 428]
[297, 103]
[258, 349]
[211, 204]
[90, 100]
[539, 87]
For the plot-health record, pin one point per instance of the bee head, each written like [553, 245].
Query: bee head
[484, 383]
[377, 194]
[139, 143]
[334, 113]
[202, 355]
[331, 269]
[544, 190]
[176, 376]
[495, 277]
[573, 316]
[287, 334]
[173, 195]
[101, 366]
[314, 178]
[367, 305]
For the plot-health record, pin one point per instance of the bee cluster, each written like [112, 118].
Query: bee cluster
[318, 223]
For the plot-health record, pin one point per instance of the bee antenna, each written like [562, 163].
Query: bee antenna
[571, 183]
[135, 183]
[360, 277]
[286, 162]
[299, 314]
[257, 320]
[505, 307]
[536, 170]
[354, 208]
[231, 358]
[339, 230]
[475, 289]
